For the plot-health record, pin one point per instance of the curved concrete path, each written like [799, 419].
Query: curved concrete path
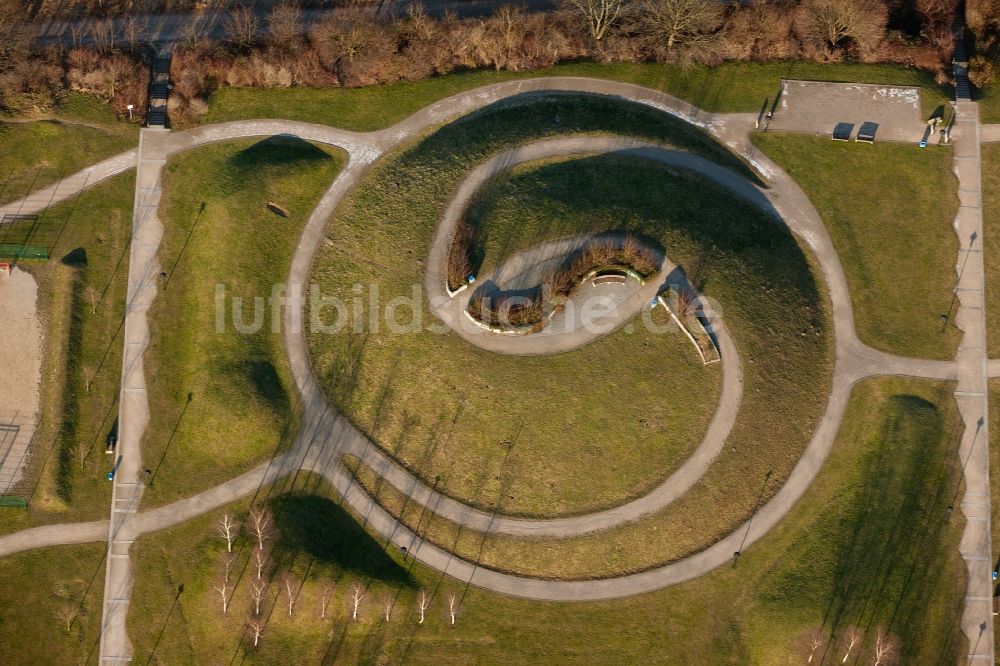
[326, 436]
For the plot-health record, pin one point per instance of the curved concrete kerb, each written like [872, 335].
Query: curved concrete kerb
[326, 437]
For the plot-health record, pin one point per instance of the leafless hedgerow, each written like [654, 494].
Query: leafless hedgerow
[829, 27]
[527, 310]
[680, 23]
[460, 256]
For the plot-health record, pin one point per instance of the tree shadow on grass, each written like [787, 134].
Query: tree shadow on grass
[890, 570]
[268, 384]
[318, 527]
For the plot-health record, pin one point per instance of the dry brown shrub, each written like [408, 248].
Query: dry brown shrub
[460, 256]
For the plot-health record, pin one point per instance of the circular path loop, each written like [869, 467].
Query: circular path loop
[325, 436]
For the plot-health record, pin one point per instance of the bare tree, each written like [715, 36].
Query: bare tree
[814, 644]
[89, 375]
[325, 600]
[388, 601]
[832, 23]
[241, 26]
[935, 12]
[598, 16]
[67, 612]
[228, 528]
[423, 602]
[228, 561]
[94, 296]
[259, 558]
[82, 450]
[256, 626]
[291, 586]
[284, 25]
[260, 524]
[452, 606]
[681, 22]
[102, 35]
[257, 589]
[357, 594]
[885, 649]
[852, 639]
[133, 30]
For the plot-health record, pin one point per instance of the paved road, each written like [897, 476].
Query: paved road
[989, 133]
[972, 395]
[133, 407]
[325, 436]
[166, 28]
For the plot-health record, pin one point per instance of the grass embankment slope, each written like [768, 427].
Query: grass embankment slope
[222, 400]
[730, 87]
[591, 425]
[870, 547]
[81, 304]
[889, 210]
[38, 153]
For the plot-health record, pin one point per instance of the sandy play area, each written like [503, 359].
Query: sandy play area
[20, 372]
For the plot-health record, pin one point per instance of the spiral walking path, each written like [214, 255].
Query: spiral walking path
[325, 436]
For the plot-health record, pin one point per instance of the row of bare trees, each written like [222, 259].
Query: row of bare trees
[355, 48]
[258, 528]
[883, 653]
[104, 61]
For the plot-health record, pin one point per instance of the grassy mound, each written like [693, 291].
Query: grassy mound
[222, 400]
[519, 433]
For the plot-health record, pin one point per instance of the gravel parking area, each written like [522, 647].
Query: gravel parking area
[20, 361]
[817, 107]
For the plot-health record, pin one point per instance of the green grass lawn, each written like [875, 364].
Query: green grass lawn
[50, 605]
[889, 210]
[81, 304]
[991, 243]
[869, 547]
[222, 401]
[989, 103]
[994, 408]
[38, 153]
[444, 407]
[730, 87]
